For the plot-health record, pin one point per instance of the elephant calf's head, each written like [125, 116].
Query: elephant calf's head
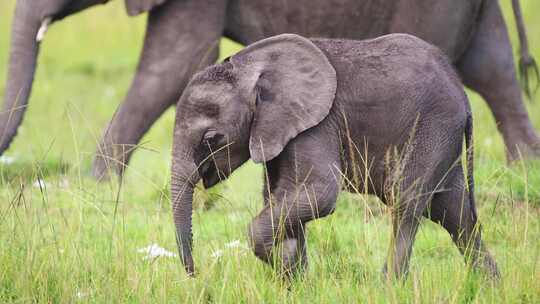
[253, 104]
[213, 121]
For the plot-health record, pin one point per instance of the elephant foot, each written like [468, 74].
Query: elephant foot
[293, 260]
[487, 265]
[523, 148]
[393, 275]
[101, 170]
[106, 165]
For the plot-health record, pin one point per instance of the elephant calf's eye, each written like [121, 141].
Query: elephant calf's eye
[211, 137]
[210, 134]
[264, 93]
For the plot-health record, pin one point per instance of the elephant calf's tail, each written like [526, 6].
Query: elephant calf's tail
[527, 64]
[470, 161]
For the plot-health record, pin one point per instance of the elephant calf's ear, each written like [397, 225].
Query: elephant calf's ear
[136, 7]
[295, 85]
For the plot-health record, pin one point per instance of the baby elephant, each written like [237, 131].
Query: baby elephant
[385, 116]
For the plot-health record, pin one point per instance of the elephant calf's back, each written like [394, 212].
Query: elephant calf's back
[394, 76]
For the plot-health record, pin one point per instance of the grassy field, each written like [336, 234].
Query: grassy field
[65, 239]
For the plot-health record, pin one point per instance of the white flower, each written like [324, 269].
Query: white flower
[236, 244]
[154, 251]
[110, 92]
[6, 160]
[39, 183]
[81, 294]
[64, 183]
[233, 244]
[217, 254]
[235, 217]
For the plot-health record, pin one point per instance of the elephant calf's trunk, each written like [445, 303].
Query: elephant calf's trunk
[184, 177]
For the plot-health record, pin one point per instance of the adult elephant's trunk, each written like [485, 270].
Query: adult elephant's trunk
[184, 175]
[22, 65]
[30, 23]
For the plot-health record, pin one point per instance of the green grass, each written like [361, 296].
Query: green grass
[77, 241]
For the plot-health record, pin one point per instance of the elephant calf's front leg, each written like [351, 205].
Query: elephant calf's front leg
[277, 234]
[282, 247]
[408, 204]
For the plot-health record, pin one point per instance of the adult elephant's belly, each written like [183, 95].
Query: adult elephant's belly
[449, 24]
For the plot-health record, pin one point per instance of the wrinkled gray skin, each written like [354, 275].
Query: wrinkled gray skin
[182, 35]
[385, 116]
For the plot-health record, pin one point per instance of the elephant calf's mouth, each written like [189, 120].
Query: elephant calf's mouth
[209, 174]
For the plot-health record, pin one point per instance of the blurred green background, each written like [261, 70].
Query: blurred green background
[74, 240]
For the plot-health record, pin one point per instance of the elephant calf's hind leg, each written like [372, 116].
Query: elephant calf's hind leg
[453, 210]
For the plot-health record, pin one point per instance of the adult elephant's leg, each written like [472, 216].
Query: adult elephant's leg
[453, 210]
[181, 37]
[488, 68]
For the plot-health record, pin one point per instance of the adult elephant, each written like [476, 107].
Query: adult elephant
[182, 35]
